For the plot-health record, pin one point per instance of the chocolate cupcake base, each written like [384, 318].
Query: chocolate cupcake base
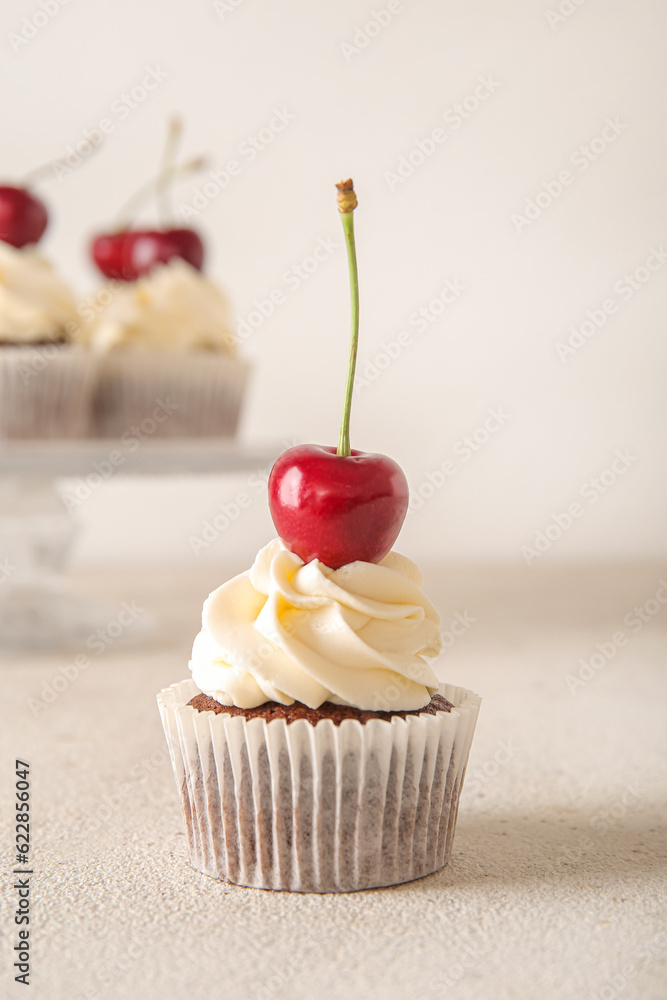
[272, 710]
[319, 807]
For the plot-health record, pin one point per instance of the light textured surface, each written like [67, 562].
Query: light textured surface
[556, 887]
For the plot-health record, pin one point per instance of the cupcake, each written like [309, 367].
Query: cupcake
[46, 372]
[166, 338]
[314, 749]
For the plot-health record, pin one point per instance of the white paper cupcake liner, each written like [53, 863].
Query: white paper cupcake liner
[320, 808]
[199, 391]
[45, 391]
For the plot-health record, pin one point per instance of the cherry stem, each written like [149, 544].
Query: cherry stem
[47, 170]
[129, 209]
[162, 185]
[347, 202]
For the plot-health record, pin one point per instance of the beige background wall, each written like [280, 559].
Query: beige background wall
[482, 107]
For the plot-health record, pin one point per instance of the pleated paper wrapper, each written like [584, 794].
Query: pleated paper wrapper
[169, 393]
[320, 808]
[45, 391]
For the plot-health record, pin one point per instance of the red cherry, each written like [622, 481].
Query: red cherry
[131, 253]
[336, 509]
[23, 217]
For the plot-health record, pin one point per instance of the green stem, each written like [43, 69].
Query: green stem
[343, 449]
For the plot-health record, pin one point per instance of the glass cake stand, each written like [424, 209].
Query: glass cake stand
[37, 532]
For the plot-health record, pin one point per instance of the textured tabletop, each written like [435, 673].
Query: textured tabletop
[556, 886]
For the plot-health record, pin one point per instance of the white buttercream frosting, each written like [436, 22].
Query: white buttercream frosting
[173, 307]
[34, 302]
[287, 631]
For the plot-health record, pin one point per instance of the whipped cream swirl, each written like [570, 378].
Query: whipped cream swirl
[173, 307]
[287, 631]
[35, 305]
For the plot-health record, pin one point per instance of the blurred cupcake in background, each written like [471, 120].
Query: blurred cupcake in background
[46, 371]
[167, 338]
[164, 337]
